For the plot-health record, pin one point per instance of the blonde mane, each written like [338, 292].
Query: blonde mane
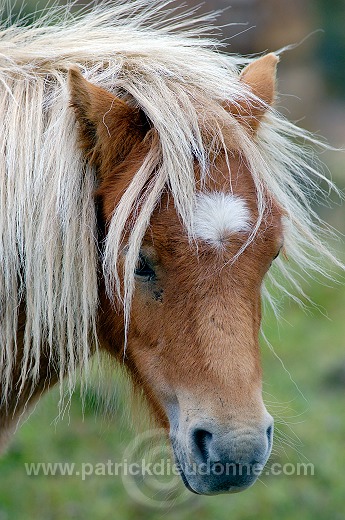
[48, 245]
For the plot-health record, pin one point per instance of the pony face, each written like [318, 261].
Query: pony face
[192, 339]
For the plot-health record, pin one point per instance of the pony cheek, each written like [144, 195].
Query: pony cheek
[148, 364]
[151, 384]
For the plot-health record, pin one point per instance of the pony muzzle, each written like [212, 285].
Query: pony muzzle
[215, 459]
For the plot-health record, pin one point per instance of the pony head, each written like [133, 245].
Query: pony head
[183, 307]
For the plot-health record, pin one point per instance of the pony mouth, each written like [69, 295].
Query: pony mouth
[232, 489]
[186, 483]
[182, 474]
[213, 490]
[210, 486]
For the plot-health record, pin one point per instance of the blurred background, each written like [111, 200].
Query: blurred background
[304, 380]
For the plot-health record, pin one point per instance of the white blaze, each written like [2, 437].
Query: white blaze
[217, 215]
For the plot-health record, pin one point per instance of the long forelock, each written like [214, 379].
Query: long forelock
[48, 255]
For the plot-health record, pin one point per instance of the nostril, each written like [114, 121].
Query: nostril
[202, 439]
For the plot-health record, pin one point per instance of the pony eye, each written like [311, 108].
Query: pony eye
[143, 270]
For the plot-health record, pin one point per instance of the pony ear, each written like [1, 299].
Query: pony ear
[105, 121]
[260, 77]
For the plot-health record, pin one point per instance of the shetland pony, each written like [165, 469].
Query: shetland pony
[147, 184]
